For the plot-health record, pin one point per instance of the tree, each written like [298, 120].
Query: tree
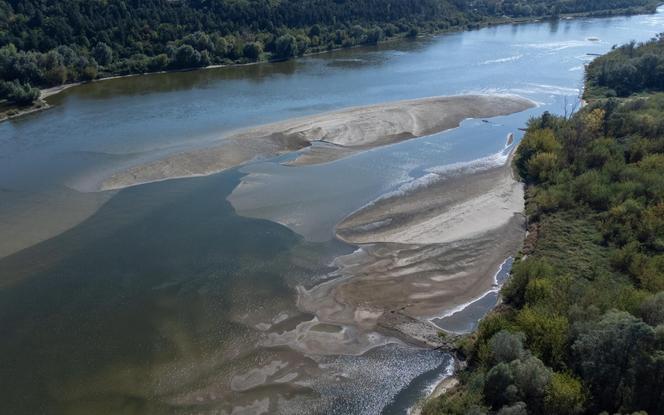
[285, 47]
[652, 309]
[102, 53]
[531, 378]
[17, 93]
[564, 396]
[609, 354]
[253, 50]
[506, 347]
[514, 290]
[375, 35]
[542, 167]
[518, 408]
[536, 141]
[546, 334]
[186, 57]
[525, 379]
[498, 379]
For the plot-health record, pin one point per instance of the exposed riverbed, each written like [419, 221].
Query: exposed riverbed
[302, 277]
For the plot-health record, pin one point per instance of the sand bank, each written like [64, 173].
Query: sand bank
[423, 252]
[338, 134]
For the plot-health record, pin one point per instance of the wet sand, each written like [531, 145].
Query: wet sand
[338, 133]
[423, 252]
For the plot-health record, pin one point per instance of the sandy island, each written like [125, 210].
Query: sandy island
[337, 134]
[422, 252]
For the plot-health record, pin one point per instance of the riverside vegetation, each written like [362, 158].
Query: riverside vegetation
[46, 44]
[581, 329]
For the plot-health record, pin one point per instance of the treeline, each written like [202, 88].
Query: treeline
[581, 330]
[628, 69]
[48, 43]
[528, 8]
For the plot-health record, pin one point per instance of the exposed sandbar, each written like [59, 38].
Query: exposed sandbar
[423, 252]
[342, 133]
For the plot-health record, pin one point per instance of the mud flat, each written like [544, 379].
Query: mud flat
[337, 134]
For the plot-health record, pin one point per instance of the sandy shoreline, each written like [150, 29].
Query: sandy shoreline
[421, 254]
[342, 133]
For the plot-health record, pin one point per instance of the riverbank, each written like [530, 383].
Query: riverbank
[575, 289]
[13, 112]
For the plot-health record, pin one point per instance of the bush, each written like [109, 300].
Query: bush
[536, 140]
[652, 309]
[506, 347]
[186, 57]
[609, 355]
[498, 379]
[546, 334]
[253, 50]
[514, 290]
[285, 47]
[518, 408]
[541, 167]
[564, 396]
[17, 93]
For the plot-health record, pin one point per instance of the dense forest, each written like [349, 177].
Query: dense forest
[49, 43]
[627, 69]
[581, 327]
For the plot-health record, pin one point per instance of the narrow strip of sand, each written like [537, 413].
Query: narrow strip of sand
[342, 133]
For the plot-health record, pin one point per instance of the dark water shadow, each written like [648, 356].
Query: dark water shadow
[160, 275]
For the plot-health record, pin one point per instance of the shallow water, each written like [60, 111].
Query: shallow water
[465, 318]
[156, 299]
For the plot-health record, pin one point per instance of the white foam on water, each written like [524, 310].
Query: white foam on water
[556, 46]
[496, 288]
[502, 60]
[449, 371]
[438, 173]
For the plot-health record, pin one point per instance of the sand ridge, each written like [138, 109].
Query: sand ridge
[423, 252]
[338, 134]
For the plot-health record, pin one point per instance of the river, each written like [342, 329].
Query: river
[181, 296]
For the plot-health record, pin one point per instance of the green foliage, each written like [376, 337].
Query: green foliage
[537, 142]
[18, 93]
[514, 292]
[588, 298]
[459, 402]
[286, 47]
[518, 408]
[102, 53]
[506, 347]
[628, 69]
[546, 334]
[186, 56]
[522, 380]
[652, 309]
[565, 395]
[50, 43]
[253, 50]
[610, 355]
[542, 167]
[480, 351]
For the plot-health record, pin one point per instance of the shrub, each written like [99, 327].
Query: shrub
[564, 395]
[514, 290]
[546, 334]
[652, 309]
[536, 141]
[506, 347]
